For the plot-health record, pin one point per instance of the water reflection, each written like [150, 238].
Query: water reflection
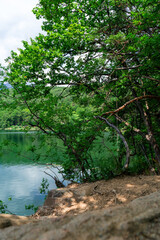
[21, 178]
[22, 183]
[16, 148]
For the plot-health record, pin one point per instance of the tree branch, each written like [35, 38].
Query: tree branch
[122, 137]
[129, 125]
[129, 102]
[151, 78]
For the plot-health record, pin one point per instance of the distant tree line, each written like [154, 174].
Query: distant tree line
[11, 118]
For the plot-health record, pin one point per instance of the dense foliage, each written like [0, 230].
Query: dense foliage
[106, 56]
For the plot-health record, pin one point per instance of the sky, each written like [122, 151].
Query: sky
[17, 23]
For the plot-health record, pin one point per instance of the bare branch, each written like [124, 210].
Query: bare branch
[122, 137]
[151, 78]
[131, 101]
[49, 174]
[129, 125]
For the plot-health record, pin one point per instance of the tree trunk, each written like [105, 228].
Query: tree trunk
[123, 139]
[150, 136]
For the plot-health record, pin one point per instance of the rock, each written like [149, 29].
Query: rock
[137, 220]
[66, 200]
[7, 220]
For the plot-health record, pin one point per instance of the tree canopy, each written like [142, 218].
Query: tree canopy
[105, 55]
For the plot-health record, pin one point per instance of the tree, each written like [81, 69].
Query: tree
[106, 54]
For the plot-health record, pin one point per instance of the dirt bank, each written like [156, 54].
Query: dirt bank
[78, 198]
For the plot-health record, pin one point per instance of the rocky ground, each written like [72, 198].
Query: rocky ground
[119, 209]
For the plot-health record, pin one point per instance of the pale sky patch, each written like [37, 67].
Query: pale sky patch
[17, 23]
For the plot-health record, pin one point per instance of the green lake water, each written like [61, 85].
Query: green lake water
[20, 177]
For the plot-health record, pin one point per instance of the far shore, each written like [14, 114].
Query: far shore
[19, 128]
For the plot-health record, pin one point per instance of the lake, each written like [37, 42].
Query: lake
[20, 177]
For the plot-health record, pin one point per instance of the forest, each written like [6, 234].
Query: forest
[93, 74]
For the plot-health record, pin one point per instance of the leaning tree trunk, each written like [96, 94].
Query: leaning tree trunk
[123, 139]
